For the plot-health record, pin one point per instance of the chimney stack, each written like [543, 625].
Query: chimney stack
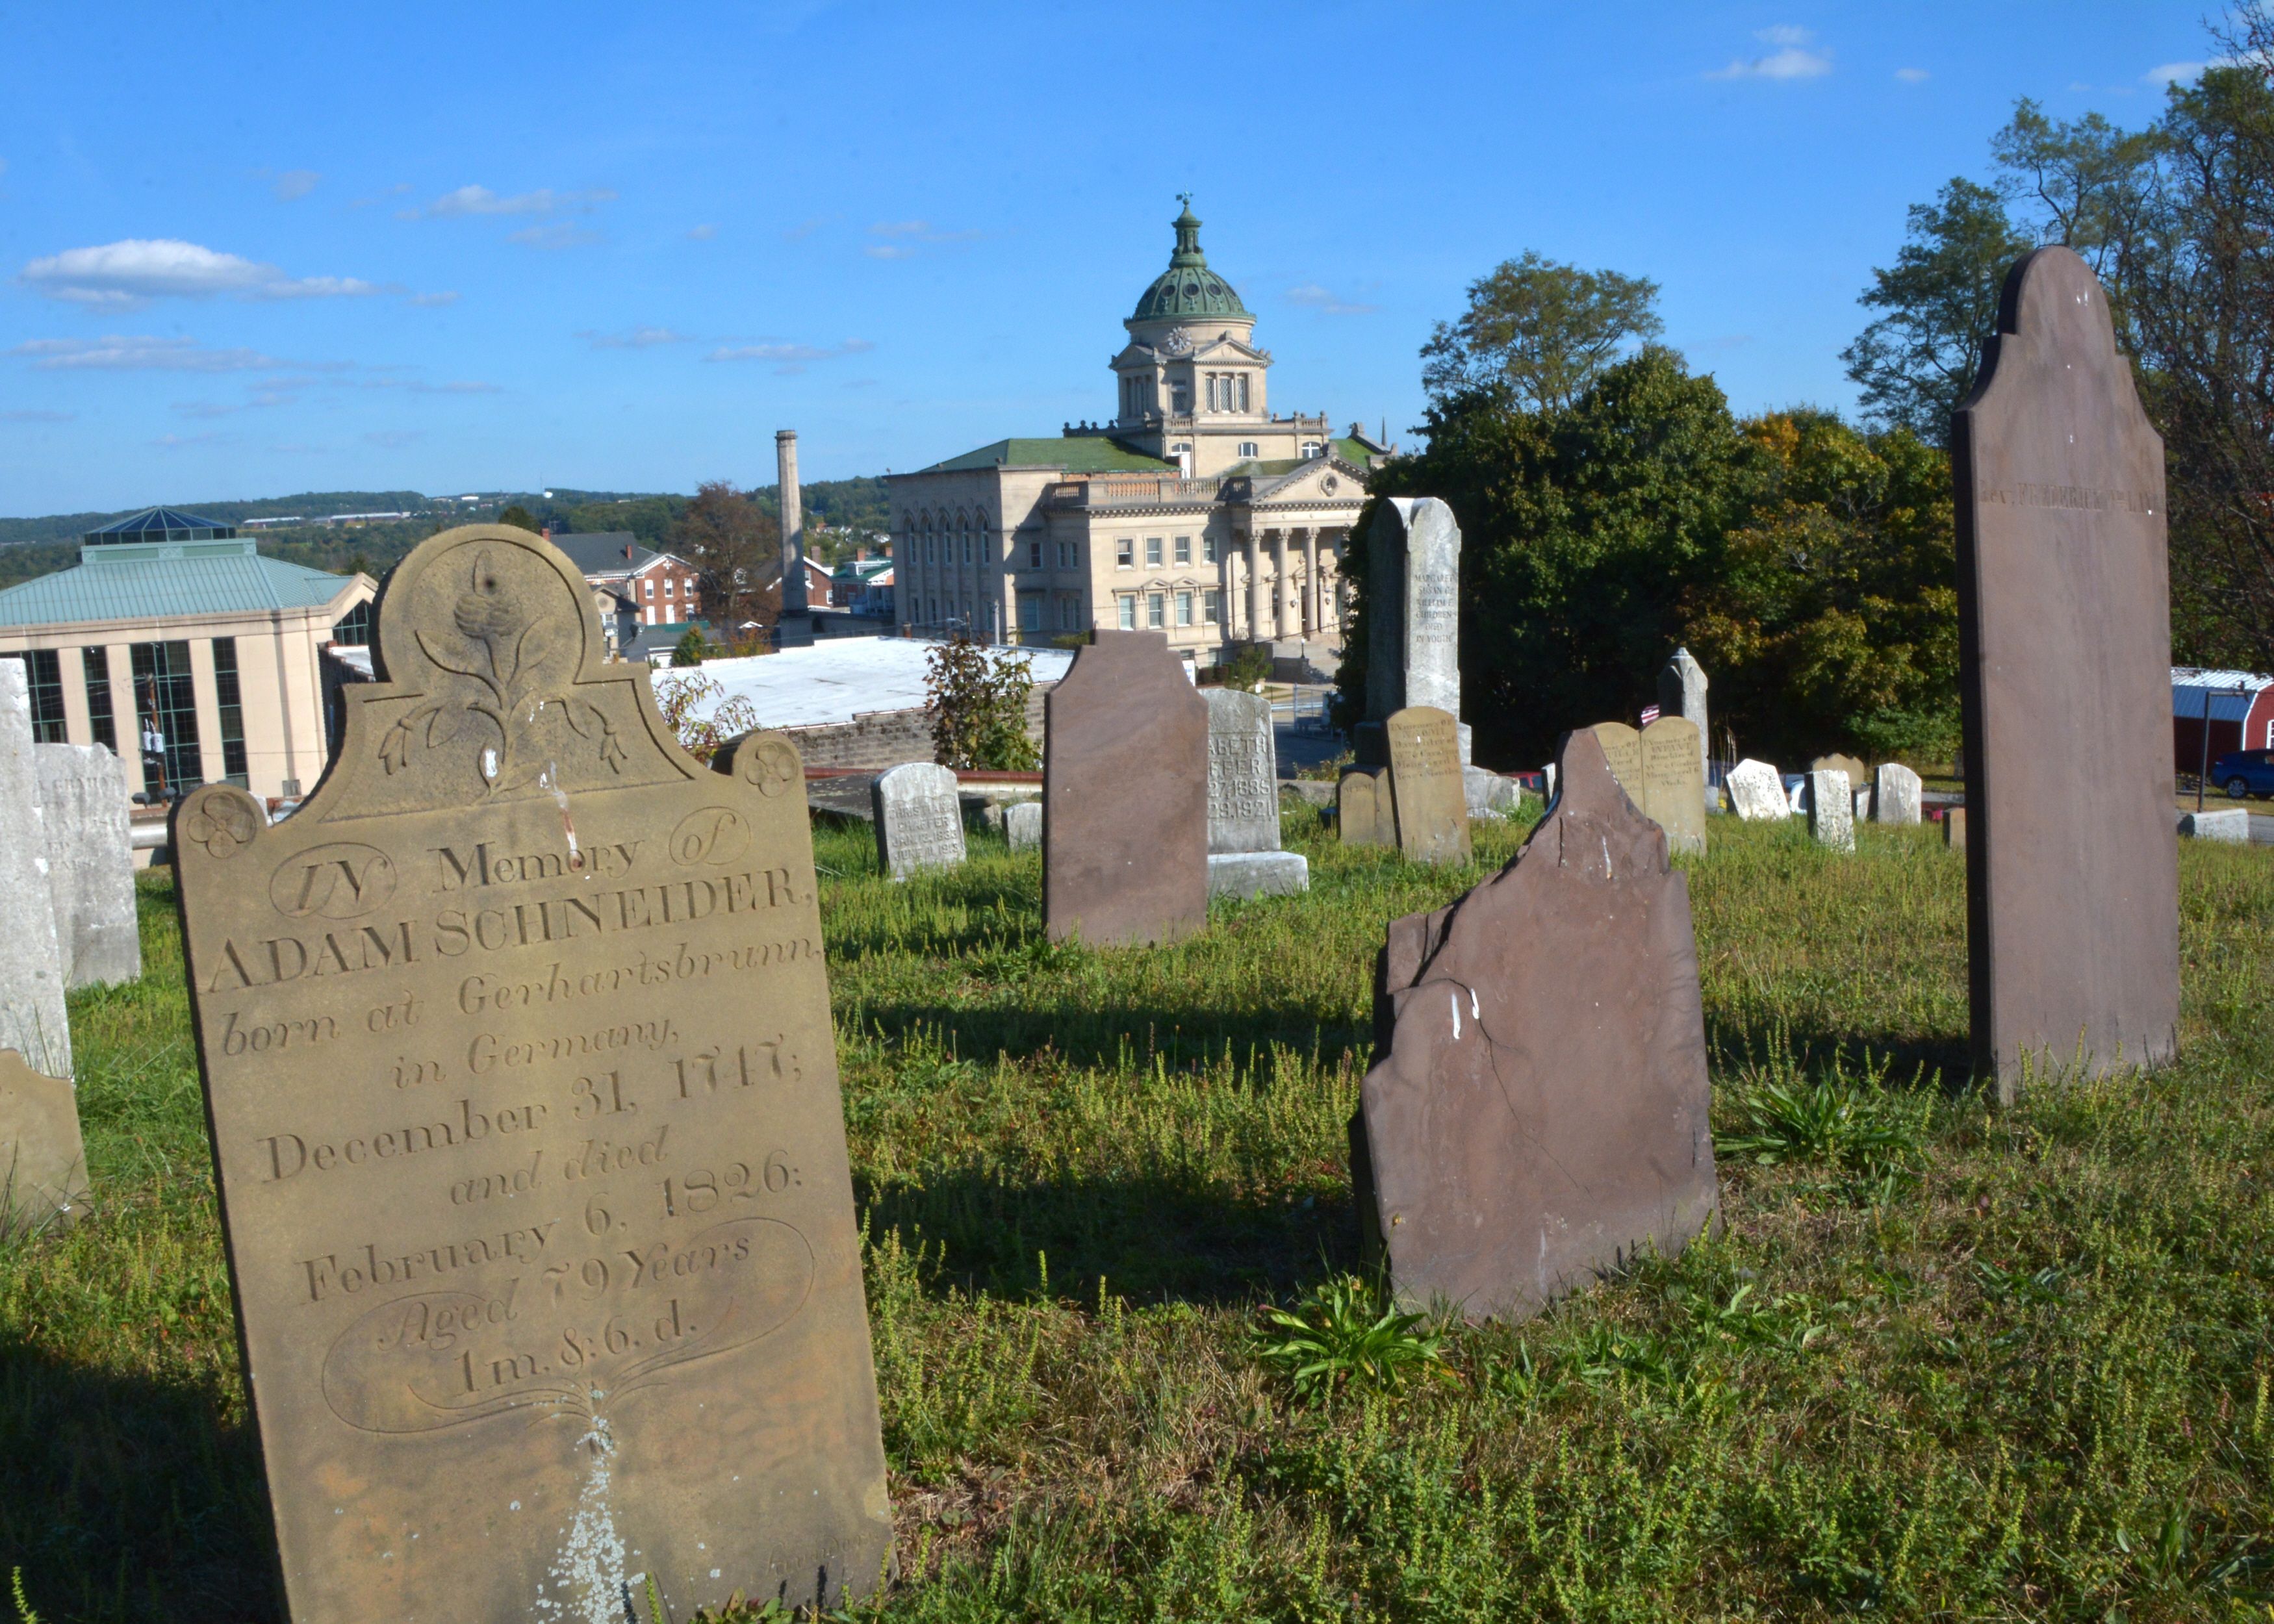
[793, 525]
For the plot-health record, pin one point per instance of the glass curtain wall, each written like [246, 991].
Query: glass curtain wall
[166, 707]
[231, 706]
[96, 664]
[44, 671]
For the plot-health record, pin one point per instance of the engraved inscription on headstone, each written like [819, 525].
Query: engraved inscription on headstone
[90, 863]
[1757, 792]
[1360, 816]
[1428, 801]
[1623, 752]
[1124, 796]
[1243, 782]
[919, 820]
[518, 1056]
[2063, 678]
[1831, 809]
[1895, 796]
[1536, 1114]
[1673, 774]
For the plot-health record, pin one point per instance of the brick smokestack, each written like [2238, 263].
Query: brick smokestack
[793, 525]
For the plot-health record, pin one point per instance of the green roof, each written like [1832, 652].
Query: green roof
[1188, 289]
[1076, 453]
[155, 581]
[1355, 451]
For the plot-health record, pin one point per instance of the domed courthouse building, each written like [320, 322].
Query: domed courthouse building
[1195, 512]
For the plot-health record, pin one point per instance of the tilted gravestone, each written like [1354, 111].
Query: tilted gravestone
[1124, 796]
[1681, 686]
[1022, 825]
[2064, 679]
[1757, 792]
[1428, 801]
[90, 863]
[1831, 809]
[42, 1173]
[519, 1062]
[1490, 794]
[1361, 817]
[1414, 617]
[1243, 802]
[1895, 796]
[1536, 1113]
[919, 820]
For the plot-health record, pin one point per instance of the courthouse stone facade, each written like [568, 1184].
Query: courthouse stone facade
[1195, 512]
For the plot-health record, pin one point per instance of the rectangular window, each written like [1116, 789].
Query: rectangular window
[1211, 607]
[1243, 392]
[166, 708]
[1128, 612]
[929, 555]
[1034, 555]
[1180, 398]
[1125, 555]
[668, 585]
[1030, 612]
[1155, 611]
[96, 664]
[1152, 553]
[231, 703]
[1249, 449]
[1207, 549]
[1184, 549]
[44, 671]
[650, 589]
[1184, 608]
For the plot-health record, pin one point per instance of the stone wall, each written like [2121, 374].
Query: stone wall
[887, 738]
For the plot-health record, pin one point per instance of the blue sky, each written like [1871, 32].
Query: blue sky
[248, 249]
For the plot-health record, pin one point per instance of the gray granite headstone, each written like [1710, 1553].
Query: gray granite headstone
[43, 1174]
[90, 863]
[1413, 610]
[919, 820]
[1243, 783]
[1536, 1113]
[1895, 797]
[1682, 687]
[1757, 792]
[1831, 810]
[1022, 825]
[2065, 681]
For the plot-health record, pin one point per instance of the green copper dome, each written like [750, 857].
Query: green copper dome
[1188, 289]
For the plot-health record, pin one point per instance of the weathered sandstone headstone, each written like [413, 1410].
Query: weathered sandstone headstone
[42, 1164]
[523, 1090]
[1243, 795]
[1022, 825]
[1124, 796]
[2228, 824]
[1536, 1113]
[90, 863]
[1954, 828]
[919, 820]
[1623, 753]
[1413, 612]
[1895, 796]
[1859, 774]
[1428, 798]
[1360, 816]
[1757, 792]
[2064, 679]
[1673, 774]
[1831, 809]
[1681, 686]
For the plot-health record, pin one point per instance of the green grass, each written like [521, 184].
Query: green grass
[1944, 1360]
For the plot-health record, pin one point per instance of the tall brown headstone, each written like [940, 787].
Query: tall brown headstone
[1427, 794]
[523, 1093]
[2064, 675]
[1537, 1109]
[1124, 796]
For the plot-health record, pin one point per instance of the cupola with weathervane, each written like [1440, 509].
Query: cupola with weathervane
[1189, 364]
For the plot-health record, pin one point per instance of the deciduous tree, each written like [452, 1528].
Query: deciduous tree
[1541, 330]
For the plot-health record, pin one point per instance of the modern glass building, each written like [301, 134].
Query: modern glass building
[176, 643]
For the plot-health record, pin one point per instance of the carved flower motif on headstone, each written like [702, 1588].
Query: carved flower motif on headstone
[221, 823]
[514, 665]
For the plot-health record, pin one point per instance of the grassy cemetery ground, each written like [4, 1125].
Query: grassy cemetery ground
[1947, 1361]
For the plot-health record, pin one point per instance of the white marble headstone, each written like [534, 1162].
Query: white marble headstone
[1757, 792]
[1831, 809]
[1243, 781]
[90, 863]
[1895, 799]
[32, 1019]
[919, 821]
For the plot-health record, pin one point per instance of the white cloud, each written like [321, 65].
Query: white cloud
[559, 236]
[702, 233]
[1326, 303]
[464, 385]
[889, 251]
[903, 234]
[434, 300]
[638, 338]
[124, 276]
[1793, 59]
[2184, 72]
[790, 358]
[124, 354]
[471, 200]
[1911, 76]
[296, 184]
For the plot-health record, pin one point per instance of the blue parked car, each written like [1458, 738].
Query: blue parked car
[2242, 773]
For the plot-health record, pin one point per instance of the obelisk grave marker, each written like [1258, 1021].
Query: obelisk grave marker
[524, 1091]
[1536, 1114]
[2065, 682]
[1413, 614]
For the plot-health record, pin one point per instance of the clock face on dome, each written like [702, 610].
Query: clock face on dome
[1177, 342]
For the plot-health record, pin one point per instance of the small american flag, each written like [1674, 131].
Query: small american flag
[1649, 715]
